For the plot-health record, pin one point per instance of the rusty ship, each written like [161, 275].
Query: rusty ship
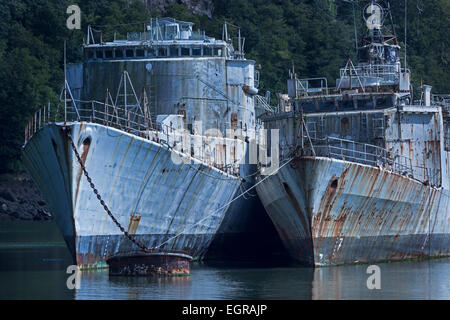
[137, 148]
[364, 168]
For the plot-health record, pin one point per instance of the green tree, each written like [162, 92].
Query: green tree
[316, 36]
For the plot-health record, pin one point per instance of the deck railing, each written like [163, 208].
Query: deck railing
[92, 111]
[128, 120]
[261, 103]
[359, 152]
[371, 70]
[308, 86]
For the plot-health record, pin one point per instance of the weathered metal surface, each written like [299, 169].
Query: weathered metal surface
[207, 88]
[411, 134]
[329, 211]
[348, 205]
[150, 264]
[209, 85]
[370, 176]
[134, 176]
[131, 165]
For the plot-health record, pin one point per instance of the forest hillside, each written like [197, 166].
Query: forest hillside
[316, 36]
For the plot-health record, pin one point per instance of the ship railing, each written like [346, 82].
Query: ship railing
[311, 86]
[128, 120]
[148, 36]
[372, 74]
[90, 111]
[359, 152]
[261, 103]
[371, 70]
[139, 36]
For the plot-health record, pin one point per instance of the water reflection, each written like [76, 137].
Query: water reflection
[403, 280]
[205, 282]
[41, 274]
[34, 273]
[99, 285]
[38, 271]
[429, 279]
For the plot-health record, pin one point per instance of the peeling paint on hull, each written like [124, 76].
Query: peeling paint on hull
[148, 194]
[330, 212]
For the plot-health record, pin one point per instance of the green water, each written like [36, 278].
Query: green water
[34, 260]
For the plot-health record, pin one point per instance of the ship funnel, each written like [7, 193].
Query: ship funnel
[427, 94]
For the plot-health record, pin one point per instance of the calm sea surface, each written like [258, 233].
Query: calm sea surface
[34, 258]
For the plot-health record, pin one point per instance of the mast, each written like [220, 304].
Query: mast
[406, 14]
[65, 85]
[354, 26]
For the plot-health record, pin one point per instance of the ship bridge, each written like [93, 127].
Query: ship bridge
[376, 81]
[163, 38]
[370, 108]
[175, 69]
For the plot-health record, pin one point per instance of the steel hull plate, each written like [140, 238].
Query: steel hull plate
[153, 198]
[330, 212]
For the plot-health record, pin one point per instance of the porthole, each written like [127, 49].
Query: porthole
[129, 53]
[118, 53]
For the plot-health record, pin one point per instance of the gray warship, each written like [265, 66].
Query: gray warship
[364, 169]
[110, 159]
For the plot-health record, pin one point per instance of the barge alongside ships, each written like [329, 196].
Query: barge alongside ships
[366, 172]
[170, 192]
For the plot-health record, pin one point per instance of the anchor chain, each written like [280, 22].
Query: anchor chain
[131, 238]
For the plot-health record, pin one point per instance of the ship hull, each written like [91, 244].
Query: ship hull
[331, 212]
[166, 206]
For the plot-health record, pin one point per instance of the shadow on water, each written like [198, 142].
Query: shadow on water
[33, 266]
[273, 261]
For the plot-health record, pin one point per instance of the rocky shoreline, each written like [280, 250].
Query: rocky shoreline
[21, 200]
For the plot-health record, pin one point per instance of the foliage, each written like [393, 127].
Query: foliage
[314, 36]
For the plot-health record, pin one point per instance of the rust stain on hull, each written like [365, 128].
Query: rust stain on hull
[150, 265]
[361, 214]
[84, 154]
[133, 223]
[162, 198]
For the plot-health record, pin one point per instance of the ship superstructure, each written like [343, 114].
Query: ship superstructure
[160, 121]
[183, 72]
[368, 174]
